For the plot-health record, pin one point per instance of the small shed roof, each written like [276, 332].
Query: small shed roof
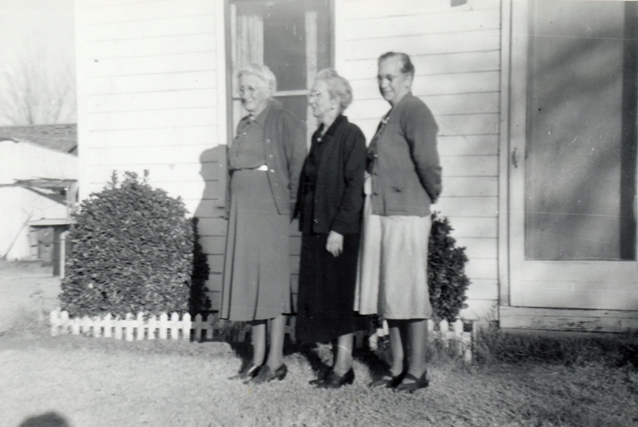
[60, 137]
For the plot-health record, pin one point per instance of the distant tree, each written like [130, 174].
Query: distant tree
[37, 90]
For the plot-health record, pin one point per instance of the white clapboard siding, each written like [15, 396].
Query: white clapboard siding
[143, 137]
[143, 11]
[478, 247]
[180, 25]
[471, 187]
[467, 103]
[360, 9]
[424, 24]
[438, 84]
[172, 156]
[469, 166]
[176, 117]
[468, 145]
[191, 98]
[200, 79]
[467, 206]
[132, 48]
[469, 41]
[425, 65]
[155, 64]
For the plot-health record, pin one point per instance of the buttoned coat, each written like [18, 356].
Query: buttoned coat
[405, 166]
[285, 147]
[338, 192]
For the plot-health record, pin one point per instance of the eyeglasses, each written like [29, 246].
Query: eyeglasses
[250, 90]
[389, 77]
[314, 94]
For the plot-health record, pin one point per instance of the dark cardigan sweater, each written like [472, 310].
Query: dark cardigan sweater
[405, 167]
[338, 192]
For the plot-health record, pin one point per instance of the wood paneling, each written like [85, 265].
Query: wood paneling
[149, 65]
[442, 63]
[423, 24]
[143, 11]
[468, 145]
[133, 48]
[438, 84]
[113, 139]
[360, 9]
[185, 25]
[568, 320]
[471, 187]
[153, 83]
[470, 41]
[467, 206]
[469, 166]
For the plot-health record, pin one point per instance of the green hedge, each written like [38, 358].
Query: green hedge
[446, 271]
[133, 249]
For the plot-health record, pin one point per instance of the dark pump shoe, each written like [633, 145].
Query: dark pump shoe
[388, 380]
[418, 383]
[266, 374]
[247, 373]
[335, 381]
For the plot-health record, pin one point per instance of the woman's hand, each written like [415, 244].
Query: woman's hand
[335, 243]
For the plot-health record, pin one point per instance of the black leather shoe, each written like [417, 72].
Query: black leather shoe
[418, 383]
[266, 374]
[335, 381]
[321, 377]
[248, 372]
[388, 380]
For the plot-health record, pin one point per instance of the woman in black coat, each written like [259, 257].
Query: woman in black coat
[330, 203]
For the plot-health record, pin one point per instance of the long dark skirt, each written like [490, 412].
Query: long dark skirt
[256, 282]
[326, 290]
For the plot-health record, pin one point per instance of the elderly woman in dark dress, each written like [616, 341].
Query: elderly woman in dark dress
[404, 180]
[264, 160]
[330, 203]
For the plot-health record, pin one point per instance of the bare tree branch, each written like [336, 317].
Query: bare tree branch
[38, 90]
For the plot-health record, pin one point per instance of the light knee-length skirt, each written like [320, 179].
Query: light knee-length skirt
[392, 273]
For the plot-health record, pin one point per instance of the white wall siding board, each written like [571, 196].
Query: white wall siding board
[361, 9]
[439, 84]
[468, 145]
[467, 206]
[442, 63]
[442, 104]
[159, 27]
[153, 82]
[469, 166]
[178, 155]
[132, 48]
[166, 100]
[470, 41]
[113, 139]
[182, 117]
[142, 11]
[424, 24]
[155, 64]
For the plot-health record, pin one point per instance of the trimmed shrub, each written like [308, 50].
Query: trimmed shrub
[133, 251]
[446, 271]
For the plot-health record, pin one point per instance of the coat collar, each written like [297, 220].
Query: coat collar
[341, 119]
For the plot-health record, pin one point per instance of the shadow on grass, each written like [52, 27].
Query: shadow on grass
[49, 419]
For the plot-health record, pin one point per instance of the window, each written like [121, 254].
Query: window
[292, 37]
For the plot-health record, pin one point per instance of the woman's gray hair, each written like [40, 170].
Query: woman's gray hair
[338, 87]
[406, 64]
[260, 71]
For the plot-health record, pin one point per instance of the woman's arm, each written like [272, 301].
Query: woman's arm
[420, 130]
[354, 163]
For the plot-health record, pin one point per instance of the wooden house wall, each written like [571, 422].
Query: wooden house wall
[456, 53]
[152, 97]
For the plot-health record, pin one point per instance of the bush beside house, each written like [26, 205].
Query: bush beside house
[133, 251]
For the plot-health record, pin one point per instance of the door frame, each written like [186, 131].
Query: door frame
[512, 140]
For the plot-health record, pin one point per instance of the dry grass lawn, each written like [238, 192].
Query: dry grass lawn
[81, 381]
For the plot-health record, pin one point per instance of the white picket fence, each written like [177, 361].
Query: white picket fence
[150, 327]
